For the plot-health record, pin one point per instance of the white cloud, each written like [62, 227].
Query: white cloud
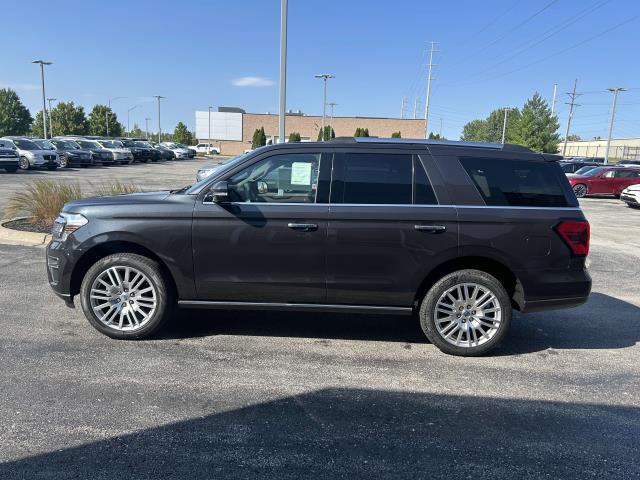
[21, 86]
[252, 82]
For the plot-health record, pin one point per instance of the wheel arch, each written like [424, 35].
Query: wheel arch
[104, 249]
[505, 275]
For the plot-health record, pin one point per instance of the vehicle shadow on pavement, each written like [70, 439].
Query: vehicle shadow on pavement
[604, 322]
[355, 433]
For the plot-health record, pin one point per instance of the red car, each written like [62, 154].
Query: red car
[604, 181]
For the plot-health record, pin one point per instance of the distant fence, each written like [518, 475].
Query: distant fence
[616, 153]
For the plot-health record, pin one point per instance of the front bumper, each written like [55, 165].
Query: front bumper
[59, 269]
[630, 199]
[74, 161]
[8, 162]
[46, 161]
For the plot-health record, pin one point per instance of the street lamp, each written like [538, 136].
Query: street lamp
[106, 114]
[324, 77]
[50, 125]
[146, 127]
[128, 111]
[159, 127]
[283, 68]
[209, 135]
[42, 63]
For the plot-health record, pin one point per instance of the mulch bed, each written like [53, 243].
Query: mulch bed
[26, 226]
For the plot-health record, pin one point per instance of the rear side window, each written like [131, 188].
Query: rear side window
[516, 183]
[385, 179]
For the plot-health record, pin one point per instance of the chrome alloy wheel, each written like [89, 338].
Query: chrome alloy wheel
[468, 315]
[123, 298]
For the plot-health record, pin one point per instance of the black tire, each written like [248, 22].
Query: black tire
[580, 189]
[428, 311]
[24, 164]
[11, 169]
[165, 302]
[52, 167]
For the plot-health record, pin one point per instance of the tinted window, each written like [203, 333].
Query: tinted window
[626, 173]
[287, 178]
[377, 178]
[517, 183]
[423, 191]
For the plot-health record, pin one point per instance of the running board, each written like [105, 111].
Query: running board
[301, 307]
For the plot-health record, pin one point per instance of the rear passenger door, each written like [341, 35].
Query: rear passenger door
[386, 230]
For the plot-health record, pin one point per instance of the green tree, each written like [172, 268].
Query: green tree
[68, 118]
[259, 138]
[36, 128]
[294, 137]
[490, 128]
[15, 118]
[181, 134]
[361, 132]
[575, 138]
[328, 133]
[136, 132]
[537, 128]
[396, 135]
[97, 122]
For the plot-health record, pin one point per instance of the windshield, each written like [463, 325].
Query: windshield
[4, 143]
[66, 144]
[587, 170]
[111, 144]
[26, 144]
[142, 144]
[44, 144]
[87, 144]
[224, 166]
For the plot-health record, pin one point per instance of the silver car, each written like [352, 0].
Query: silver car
[32, 155]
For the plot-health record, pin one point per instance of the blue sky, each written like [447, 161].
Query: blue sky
[491, 53]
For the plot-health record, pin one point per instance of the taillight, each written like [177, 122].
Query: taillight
[576, 235]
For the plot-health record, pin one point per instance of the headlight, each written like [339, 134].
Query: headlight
[30, 155]
[67, 223]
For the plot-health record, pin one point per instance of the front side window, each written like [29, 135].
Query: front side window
[286, 178]
[518, 183]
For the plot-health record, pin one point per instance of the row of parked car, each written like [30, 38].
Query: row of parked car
[74, 151]
[591, 176]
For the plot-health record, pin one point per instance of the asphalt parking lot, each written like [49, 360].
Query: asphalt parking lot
[273, 395]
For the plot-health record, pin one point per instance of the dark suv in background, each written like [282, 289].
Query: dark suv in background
[457, 234]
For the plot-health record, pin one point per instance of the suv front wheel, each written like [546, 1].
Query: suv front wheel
[125, 296]
[466, 313]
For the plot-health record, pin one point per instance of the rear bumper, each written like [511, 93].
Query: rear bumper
[554, 289]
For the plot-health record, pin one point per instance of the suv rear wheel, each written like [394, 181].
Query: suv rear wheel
[466, 313]
[125, 296]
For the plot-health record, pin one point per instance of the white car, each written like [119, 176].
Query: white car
[206, 148]
[121, 154]
[631, 196]
[32, 155]
[178, 150]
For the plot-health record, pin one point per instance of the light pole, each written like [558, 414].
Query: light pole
[613, 115]
[159, 97]
[283, 69]
[324, 77]
[106, 114]
[504, 124]
[129, 111]
[50, 125]
[332, 104]
[146, 127]
[209, 134]
[42, 63]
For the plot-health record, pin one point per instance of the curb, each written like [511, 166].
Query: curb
[9, 236]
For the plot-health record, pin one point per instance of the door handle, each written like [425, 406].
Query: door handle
[304, 227]
[430, 228]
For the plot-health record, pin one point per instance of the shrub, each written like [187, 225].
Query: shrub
[361, 132]
[294, 137]
[115, 188]
[42, 200]
[396, 135]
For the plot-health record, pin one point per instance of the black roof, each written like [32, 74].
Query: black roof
[423, 141]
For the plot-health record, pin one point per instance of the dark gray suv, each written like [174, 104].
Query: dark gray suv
[457, 234]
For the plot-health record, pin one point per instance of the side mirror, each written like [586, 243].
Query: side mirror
[219, 192]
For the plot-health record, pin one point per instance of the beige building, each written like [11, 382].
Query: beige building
[232, 129]
[620, 149]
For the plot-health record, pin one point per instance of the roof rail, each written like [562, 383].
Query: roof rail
[424, 141]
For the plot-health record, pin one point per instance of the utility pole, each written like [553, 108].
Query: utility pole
[106, 114]
[615, 91]
[209, 134]
[324, 77]
[283, 69]
[159, 97]
[129, 111]
[146, 127]
[50, 124]
[404, 100]
[553, 102]
[415, 108]
[42, 63]
[504, 124]
[571, 104]
[440, 128]
[332, 104]
[429, 78]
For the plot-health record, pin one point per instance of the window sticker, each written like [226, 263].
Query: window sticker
[300, 173]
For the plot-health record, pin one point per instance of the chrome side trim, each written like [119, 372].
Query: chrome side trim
[320, 307]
